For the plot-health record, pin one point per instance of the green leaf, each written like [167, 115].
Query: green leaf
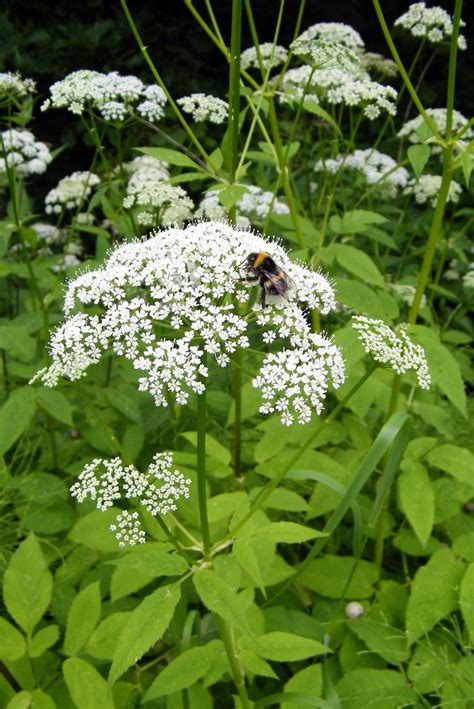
[37, 699]
[313, 107]
[43, 640]
[27, 585]
[255, 664]
[355, 222]
[93, 530]
[287, 647]
[55, 404]
[288, 532]
[383, 639]
[307, 681]
[360, 298]
[328, 577]
[12, 642]
[172, 157]
[466, 600]
[248, 558]
[282, 499]
[433, 593]
[83, 616]
[229, 196]
[417, 499]
[377, 689]
[358, 262]
[185, 670]
[220, 598]
[145, 626]
[103, 641]
[17, 342]
[214, 449]
[467, 164]
[15, 416]
[457, 461]
[418, 156]
[141, 565]
[87, 687]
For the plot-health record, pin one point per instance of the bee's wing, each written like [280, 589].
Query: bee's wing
[279, 282]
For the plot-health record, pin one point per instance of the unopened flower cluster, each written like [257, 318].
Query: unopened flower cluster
[377, 168]
[169, 301]
[394, 349]
[434, 23]
[338, 32]
[71, 192]
[12, 86]
[205, 108]
[411, 129]
[271, 55]
[158, 491]
[426, 189]
[252, 208]
[114, 96]
[20, 150]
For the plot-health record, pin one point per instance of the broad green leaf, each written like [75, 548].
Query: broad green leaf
[287, 647]
[185, 670]
[464, 546]
[433, 593]
[43, 488]
[224, 505]
[293, 621]
[172, 157]
[288, 532]
[417, 499]
[144, 627]
[229, 196]
[418, 156]
[457, 461]
[466, 599]
[307, 681]
[360, 298]
[87, 687]
[188, 177]
[220, 598]
[141, 565]
[37, 699]
[359, 263]
[17, 342]
[255, 664]
[377, 689]
[12, 642]
[55, 404]
[385, 640]
[43, 640]
[282, 499]
[83, 616]
[93, 530]
[15, 416]
[431, 663]
[103, 641]
[457, 690]
[27, 584]
[329, 576]
[467, 164]
[214, 449]
[355, 222]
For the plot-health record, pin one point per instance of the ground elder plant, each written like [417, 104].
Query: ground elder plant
[235, 345]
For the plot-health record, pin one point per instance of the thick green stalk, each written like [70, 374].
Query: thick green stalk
[227, 634]
[201, 468]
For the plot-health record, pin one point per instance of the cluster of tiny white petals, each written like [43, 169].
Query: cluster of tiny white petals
[71, 192]
[20, 150]
[352, 87]
[294, 382]
[49, 234]
[407, 293]
[158, 491]
[13, 86]
[426, 189]
[394, 349]
[203, 107]
[113, 95]
[410, 129]
[468, 278]
[434, 23]
[170, 300]
[378, 64]
[142, 162]
[376, 167]
[269, 53]
[323, 53]
[163, 203]
[334, 32]
[252, 208]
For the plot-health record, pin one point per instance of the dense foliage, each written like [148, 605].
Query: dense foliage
[235, 445]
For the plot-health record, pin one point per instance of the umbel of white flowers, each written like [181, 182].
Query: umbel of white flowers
[167, 302]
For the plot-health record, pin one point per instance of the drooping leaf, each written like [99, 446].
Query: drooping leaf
[287, 647]
[418, 156]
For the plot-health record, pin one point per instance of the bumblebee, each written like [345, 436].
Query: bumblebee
[272, 279]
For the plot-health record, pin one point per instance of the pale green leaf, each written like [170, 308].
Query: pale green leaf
[103, 641]
[359, 263]
[43, 640]
[220, 598]
[172, 157]
[418, 156]
[86, 686]
[12, 642]
[288, 532]
[457, 461]
[383, 639]
[377, 689]
[417, 499]
[466, 600]
[83, 616]
[287, 647]
[330, 575]
[15, 416]
[55, 404]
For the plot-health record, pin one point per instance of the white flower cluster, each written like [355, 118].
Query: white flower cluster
[164, 204]
[253, 207]
[434, 23]
[116, 97]
[325, 54]
[48, 234]
[411, 128]
[376, 167]
[394, 349]
[158, 170]
[276, 55]
[468, 278]
[170, 299]
[295, 382]
[13, 86]
[335, 86]
[334, 32]
[205, 108]
[378, 64]
[426, 189]
[158, 490]
[71, 192]
[20, 150]
[407, 293]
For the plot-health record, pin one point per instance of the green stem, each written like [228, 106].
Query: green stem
[234, 94]
[201, 468]
[238, 357]
[268, 489]
[453, 53]
[238, 675]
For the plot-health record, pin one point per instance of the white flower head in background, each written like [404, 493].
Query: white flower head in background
[158, 491]
[205, 108]
[158, 168]
[168, 301]
[252, 208]
[339, 32]
[426, 189]
[12, 86]
[71, 192]
[376, 63]
[395, 349]
[270, 54]
[412, 129]
[325, 54]
[160, 203]
[114, 96]
[433, 23]
[19, 150]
